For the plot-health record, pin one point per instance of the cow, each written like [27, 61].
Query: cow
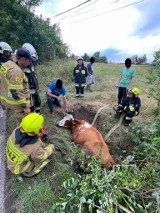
[88, 138]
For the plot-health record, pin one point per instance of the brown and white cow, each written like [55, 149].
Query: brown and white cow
[88, 138]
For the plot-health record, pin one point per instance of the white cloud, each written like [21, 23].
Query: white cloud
[116, 29]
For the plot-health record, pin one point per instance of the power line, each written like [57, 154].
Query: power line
[78, 10]
[87, 10]
[109, 11]
[71, 9]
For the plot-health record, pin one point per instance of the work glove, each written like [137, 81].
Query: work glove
[119, 110]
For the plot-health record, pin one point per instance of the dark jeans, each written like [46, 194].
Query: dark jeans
[36, 103]
[128, 116]
[52, 102]
[121, 94]
[79, 89]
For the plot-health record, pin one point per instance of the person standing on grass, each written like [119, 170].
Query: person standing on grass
[90, 74]
[14, 88]
[80, 74]
[126, 80]
[56, 89]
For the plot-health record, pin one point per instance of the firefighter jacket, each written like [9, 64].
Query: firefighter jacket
[14, 89]
[133, 104]
[80, 74]
[32, 79]
[23, 150]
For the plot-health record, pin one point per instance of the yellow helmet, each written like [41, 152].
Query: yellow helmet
[32, 124]
[135, 91]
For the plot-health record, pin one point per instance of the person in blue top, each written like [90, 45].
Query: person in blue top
[90, 73]
[126, 80]
[56, 89]
[80, 74]
[130, 106]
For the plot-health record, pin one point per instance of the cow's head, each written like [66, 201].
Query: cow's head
[64, 122]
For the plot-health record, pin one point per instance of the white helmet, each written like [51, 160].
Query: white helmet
[32, 51]
[5, 46]
[79, 58]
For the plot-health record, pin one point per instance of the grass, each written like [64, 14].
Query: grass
[39, 194]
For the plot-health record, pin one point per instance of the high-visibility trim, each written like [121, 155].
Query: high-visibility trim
[32, 91]
[26, 167]
[128, 118]
[15, 156]
[45, 155]
[12, 101]
[49, 150]
[16, 87]
[36, 171]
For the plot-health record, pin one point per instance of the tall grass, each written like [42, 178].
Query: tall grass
[39, 194]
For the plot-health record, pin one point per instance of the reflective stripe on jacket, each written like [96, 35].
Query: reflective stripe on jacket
[80, 74]
[14, 89]
[20, 158]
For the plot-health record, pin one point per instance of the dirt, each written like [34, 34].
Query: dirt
[120, 146]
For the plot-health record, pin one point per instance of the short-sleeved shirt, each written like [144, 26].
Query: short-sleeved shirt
[126, 76]
[90, 68]
[56, 91]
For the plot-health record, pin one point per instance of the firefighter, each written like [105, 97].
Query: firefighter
[130, 106]
[5, 52]
[25, 151]
[14, 88]
[32, 79]
[80, 74]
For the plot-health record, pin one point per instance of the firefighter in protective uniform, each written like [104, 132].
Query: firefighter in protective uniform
[26, 153]
[130, 106]
[14, 88]
[5, 52]
[32, 79]
[5, 55]
[80, 74]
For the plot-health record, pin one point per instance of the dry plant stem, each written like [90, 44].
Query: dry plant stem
[95, 118]
[124, 209]
[117, 125]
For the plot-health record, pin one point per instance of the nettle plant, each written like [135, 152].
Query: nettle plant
[130, 187]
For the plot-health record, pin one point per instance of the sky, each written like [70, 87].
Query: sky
[117, 28]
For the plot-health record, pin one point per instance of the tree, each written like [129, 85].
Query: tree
[103, 59]
[86, 57]
[142, 60]
[19, 25]
[96, 55]
[154, 78]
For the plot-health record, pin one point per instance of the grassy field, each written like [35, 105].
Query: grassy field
[38, 195]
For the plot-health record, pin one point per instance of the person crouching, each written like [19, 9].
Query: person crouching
[25, 151]
[130, 106]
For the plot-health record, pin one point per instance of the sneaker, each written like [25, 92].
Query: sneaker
[81, 95]
[77, 95]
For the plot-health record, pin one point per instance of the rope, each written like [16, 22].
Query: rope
[95, 118]
[117, 125]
